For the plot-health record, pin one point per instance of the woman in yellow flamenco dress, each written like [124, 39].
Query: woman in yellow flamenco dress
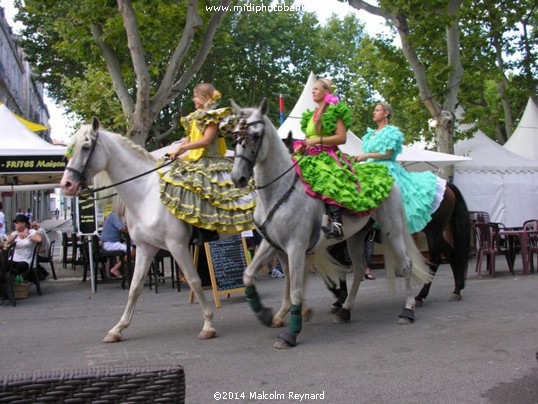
[197, 188]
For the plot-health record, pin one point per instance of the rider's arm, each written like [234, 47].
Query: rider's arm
[210, 133]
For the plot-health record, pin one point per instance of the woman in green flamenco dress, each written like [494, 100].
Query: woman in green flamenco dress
[327, 172]
[197, 188]
[422, 192]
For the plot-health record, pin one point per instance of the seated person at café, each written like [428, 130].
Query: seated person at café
[26, 239]
[111, 236]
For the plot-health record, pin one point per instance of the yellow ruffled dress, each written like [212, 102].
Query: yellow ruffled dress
[197, 188]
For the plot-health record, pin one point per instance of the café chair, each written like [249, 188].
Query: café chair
[34, 270]
[156, 271]
[49, 259]
[533, 240]
[66, 245]
[7, 275]
[102, 258]
[489, 245]
[96, 385]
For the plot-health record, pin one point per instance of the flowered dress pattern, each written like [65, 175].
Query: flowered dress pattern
[418, 188]
[329, 174]
[198, 188]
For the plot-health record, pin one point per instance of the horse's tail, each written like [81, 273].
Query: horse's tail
[328, 267]
[460, 223]
[420, 272]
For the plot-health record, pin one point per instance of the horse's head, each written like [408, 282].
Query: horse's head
[289, 141]
[81, 167]
[248, 139]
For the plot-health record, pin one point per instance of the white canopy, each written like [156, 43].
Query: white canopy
[497, 181]
[524, 140]
[25, 158]
[413, 159]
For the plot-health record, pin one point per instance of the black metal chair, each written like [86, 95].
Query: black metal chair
[101, 258]
[7, 274]
[33, 269]
[49, 259]
[156, 272]
[66, 245]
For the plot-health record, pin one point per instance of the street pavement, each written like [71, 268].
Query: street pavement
[479, 350]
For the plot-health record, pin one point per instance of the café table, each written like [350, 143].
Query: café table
[523, 236]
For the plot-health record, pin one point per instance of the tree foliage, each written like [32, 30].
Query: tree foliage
[148, 66]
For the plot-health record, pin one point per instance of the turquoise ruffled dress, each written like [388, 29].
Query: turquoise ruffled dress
[329, 174]
[198, 189]
[419, 189]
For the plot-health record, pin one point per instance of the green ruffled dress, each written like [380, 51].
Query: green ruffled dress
[418, 188]
[330, 175]
[198, 189]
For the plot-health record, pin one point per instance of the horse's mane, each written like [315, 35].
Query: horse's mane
[102, 179]
[133, 146]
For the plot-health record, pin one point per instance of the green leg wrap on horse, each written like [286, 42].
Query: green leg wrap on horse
[296, 319]
[253, 298]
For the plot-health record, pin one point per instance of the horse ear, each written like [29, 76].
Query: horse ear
[95, 124]
[236, 108]
[290, 136]
[264, 106]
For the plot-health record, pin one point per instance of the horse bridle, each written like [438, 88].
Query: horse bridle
[80, 175]
[84, 181]
[243, 137]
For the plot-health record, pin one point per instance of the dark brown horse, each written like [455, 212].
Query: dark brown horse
[450, 221]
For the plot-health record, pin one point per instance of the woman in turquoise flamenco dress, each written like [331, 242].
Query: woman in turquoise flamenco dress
[422, 192]
[328, 173]
[198, 188]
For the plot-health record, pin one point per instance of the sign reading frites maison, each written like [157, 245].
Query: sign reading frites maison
[31, 164]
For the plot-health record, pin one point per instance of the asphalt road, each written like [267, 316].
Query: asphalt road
[479, 350]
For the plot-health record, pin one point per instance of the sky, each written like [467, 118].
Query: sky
[62, 127]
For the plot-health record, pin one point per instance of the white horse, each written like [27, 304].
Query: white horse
[290, 222]
[151, 225]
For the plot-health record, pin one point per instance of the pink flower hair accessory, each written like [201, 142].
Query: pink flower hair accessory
[331, 99]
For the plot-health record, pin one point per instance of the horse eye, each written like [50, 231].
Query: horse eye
[85, 147]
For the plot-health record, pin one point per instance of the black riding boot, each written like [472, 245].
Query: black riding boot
[201, 236]
[334, 228]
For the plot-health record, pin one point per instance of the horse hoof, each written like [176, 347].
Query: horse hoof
[454, 297]
[307, 313]
[419, 302]
[281, 344]
[334, 309]
[207, 334]
[342, 316]
[266, 316]
[407, 316]
[112, 337]
[286, 340]
[277, 323]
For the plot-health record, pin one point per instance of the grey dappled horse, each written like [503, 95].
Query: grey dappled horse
[290, 222]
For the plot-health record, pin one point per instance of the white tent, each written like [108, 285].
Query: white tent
[25, 158]
[412, 158]
[524, 140]
[497, 181]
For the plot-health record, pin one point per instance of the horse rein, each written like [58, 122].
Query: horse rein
[242, 136]
[84, 182]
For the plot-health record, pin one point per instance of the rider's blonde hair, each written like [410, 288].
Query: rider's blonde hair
[209, 93]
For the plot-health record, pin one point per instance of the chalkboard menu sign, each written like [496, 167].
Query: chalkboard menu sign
[226, 260]
[86, 217]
